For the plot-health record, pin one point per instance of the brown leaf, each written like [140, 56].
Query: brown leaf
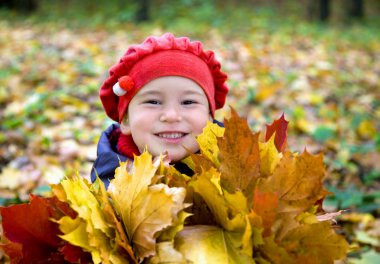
[298, 181]
[145, 209]
[239, 156]
[274, 253]
[315, 243]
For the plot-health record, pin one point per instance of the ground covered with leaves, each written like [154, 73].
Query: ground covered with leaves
[325, 80]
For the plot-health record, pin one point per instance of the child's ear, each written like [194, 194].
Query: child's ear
[124, 126]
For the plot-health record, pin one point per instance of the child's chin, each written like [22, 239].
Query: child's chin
[175, 157]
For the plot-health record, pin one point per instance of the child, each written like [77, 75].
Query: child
[162, 93]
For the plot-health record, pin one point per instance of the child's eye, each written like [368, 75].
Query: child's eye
[154, 102]
[188, 102]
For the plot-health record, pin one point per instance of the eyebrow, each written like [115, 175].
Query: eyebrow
[195, 92]
[149, 92]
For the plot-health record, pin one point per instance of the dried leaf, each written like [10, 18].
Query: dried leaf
[145, 209]
[227, 213]
[208, 142]
[94, 229]
[288, 189]
[271, 252]
[239, 156]
[265, 204]
[330, 216]
[322, 243]
[269, 157]
[298, 182]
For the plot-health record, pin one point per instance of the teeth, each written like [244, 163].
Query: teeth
[171, 135]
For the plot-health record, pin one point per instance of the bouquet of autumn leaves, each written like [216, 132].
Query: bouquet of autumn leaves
[249, 201]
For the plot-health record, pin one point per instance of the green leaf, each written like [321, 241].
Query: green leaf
[372, 176]
[323, 133]
[364, 237]
[369, 257]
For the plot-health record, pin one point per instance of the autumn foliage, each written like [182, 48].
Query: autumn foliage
[31, 233]
[249, 201]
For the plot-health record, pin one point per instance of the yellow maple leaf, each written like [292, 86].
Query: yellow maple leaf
[166, 253]
[208, 141]
[308, 217]
[228, 212]
[145, 209]
[76, 233]
[94, 229]
[211, 244]
[247, 238]
[269, 156]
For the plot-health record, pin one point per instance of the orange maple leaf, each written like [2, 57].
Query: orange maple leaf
[239, 156]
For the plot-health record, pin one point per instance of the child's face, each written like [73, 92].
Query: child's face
[166, 114]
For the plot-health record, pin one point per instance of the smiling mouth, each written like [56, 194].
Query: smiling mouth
[171, 135]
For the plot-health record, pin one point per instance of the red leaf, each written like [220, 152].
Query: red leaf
[279, 127]
[14, 251]
[75, 254]
[29, 229]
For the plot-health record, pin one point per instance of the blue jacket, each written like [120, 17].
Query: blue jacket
[108, 157]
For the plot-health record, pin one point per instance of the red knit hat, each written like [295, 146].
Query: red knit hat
[158, 57]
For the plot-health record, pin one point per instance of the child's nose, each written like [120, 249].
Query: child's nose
[171, 114]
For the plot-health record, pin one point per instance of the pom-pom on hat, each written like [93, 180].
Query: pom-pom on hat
[158, 57]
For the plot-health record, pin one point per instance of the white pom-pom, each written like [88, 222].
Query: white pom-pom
[118, 90]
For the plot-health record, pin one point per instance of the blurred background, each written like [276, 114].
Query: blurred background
[316, 61]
